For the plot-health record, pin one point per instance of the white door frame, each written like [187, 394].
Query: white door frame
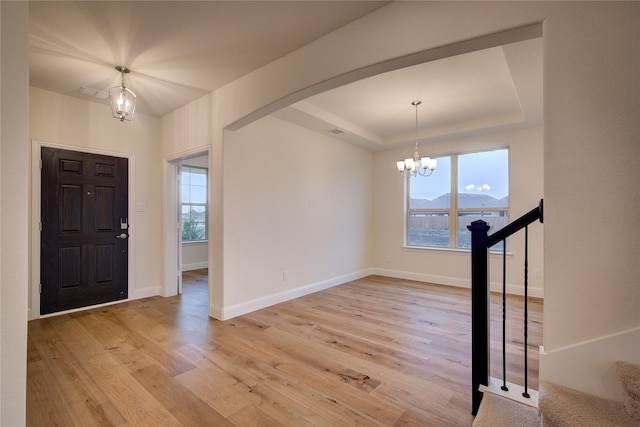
[172, 225]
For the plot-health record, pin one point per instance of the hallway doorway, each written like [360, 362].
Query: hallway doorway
[186, 242]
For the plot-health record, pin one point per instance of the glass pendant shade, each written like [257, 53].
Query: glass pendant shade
[123, 103]
[123, 100]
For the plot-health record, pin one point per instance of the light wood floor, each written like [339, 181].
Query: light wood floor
[372, 352]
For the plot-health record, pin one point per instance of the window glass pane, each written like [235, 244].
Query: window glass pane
[194, 203]
[197, 194]
[185, 176]
[185, 193]
[199, 212]
[194, 222]
[429, 229]
[432, 192]
[198, 177]
[496, 219]
[483, 179]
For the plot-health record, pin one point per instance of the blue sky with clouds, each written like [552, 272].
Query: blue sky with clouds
[485, 172]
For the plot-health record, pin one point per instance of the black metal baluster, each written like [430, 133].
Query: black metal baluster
[480, 302]
[525, 393]
[504, 316]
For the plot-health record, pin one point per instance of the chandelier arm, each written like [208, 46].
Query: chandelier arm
[415, 166]
[426, 172]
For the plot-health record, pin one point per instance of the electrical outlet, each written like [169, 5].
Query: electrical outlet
[285, 275]
[537, 273]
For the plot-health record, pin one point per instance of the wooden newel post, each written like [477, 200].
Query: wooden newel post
[479, 310]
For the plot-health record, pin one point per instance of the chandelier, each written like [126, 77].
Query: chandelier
[123, 100]
[416, 165]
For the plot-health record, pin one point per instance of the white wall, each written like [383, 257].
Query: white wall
[295, 201]
[14, 203]
[188, 130]
[590, 156]
[81, 124]
[450, 267]
[195, 255]
[591, 64]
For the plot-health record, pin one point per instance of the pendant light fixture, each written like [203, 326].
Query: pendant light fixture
[123, 100]
[423, 166]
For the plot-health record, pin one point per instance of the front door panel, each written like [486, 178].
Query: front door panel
[84, 241]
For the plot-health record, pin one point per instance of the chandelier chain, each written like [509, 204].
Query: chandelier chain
[423, 166]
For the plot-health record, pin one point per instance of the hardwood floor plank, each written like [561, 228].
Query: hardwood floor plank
[83, 400]
[254, 417]
[218, 389]
[372, 352]
[44, 401]
[184, 405]
[134, 401]
[277, 406]
[125, 340]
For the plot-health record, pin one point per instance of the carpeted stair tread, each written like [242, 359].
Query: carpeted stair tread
[562, 406]
[499, 411]
[629, 374]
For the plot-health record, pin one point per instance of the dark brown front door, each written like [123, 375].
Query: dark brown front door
[84, 239]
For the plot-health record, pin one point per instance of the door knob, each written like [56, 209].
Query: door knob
[122, 236]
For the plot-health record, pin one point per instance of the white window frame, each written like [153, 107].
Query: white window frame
[453, 209]
[205, 204]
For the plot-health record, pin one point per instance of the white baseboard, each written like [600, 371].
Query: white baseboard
[195, 266]
[146, 292]
[590, 366]
[514, 392]
[455, 281]
[229, 312]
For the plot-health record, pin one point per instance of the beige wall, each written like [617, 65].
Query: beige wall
[451, 267]
[591, 64]
[190, 129]
[80, 124]
[14, 203]
[195, 255]
[295, 201]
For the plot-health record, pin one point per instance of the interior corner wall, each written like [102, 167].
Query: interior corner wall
[591, 153]
[86, 125]
[297, 207]
[187, 130]
[592, 237]
[14, 206]
[453, 267]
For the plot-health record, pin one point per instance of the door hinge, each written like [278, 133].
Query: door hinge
[40, 163]
[40, 287]
[40, 225]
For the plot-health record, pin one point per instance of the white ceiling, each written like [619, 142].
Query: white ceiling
[180, 51]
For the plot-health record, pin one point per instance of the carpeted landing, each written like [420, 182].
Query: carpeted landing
[564, 407]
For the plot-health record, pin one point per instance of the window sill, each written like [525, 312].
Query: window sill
[193, 242]
[454, 250]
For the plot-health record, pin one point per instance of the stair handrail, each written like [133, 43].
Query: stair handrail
[480, 244]
[517, 225]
